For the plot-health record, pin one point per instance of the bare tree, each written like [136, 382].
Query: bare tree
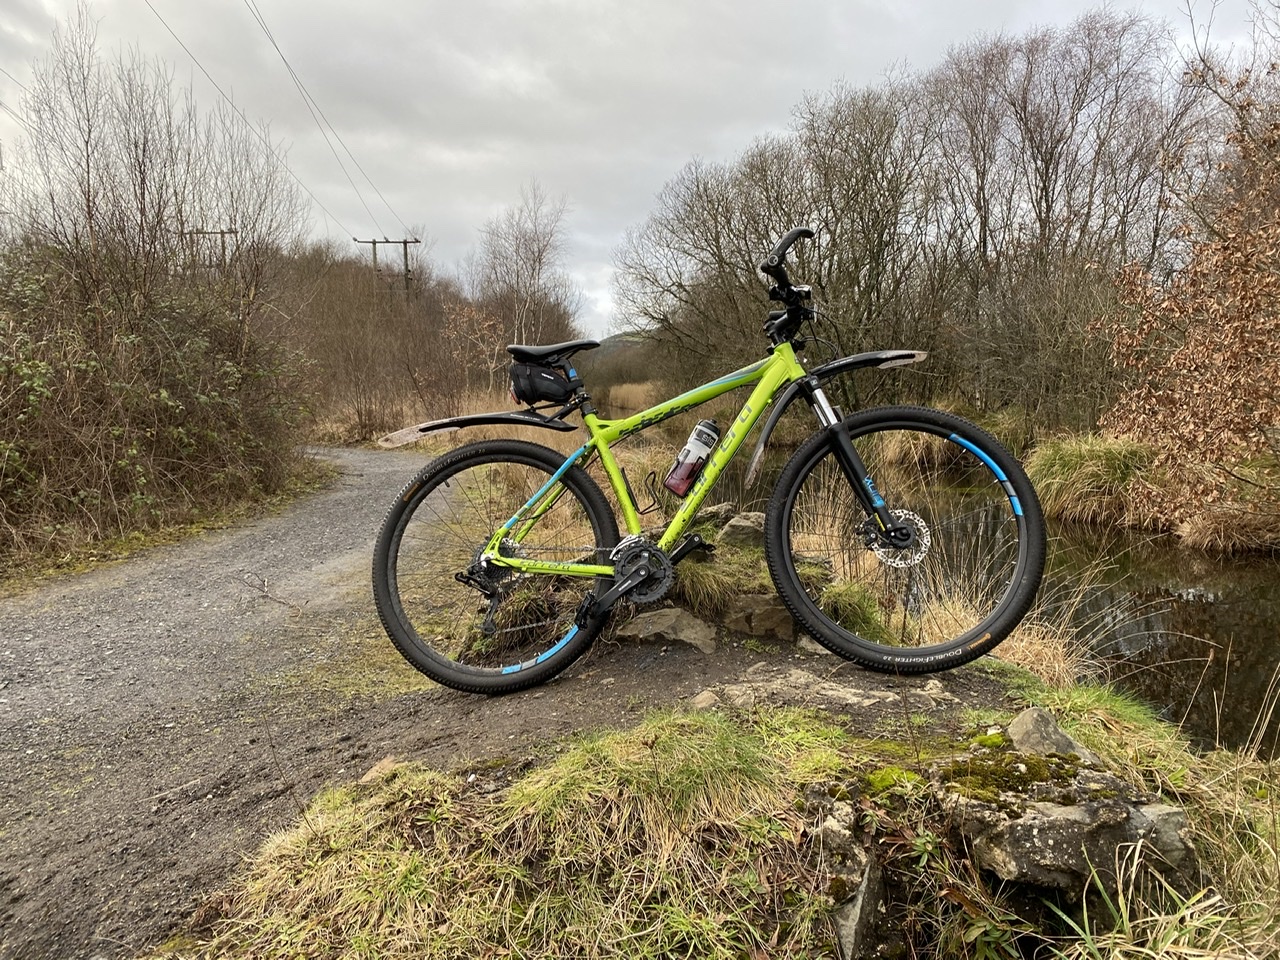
[518, 275]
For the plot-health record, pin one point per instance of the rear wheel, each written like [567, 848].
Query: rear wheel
[480, 627]
[966, 579]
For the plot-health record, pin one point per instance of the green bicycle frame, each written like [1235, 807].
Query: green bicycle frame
[770, 375]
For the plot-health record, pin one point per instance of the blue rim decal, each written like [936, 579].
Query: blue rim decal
[517, 667]
[995, 468]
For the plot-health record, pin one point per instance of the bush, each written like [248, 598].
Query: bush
[117, 422]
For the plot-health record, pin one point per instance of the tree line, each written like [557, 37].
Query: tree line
[978, 210]
[167, 329]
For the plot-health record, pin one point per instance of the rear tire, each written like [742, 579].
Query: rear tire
[959, 590]
[494, 630]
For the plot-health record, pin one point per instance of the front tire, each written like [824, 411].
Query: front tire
[491, 629]
[960, 588]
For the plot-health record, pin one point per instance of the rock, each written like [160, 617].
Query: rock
[744, 530]
[379, 769]
[1035, 731]
[768, 683]
[740, 695]
[807, 644]
[855, 918]
[762, 615]
[706, 700]
[719, 513]
[937, 692]
[1054, 823]
[856, 884]
[671, 625]
[1167, 825]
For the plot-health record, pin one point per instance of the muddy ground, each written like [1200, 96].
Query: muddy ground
[161, 716]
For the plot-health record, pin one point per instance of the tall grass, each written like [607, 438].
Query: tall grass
[1092, 479]
[1232, 800]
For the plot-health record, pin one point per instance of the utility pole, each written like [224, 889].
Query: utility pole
[222, 241]
[404, 245]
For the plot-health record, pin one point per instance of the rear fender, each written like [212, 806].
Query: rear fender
[511, 418]
[878, 359]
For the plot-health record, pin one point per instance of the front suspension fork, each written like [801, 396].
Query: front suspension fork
[890, 531]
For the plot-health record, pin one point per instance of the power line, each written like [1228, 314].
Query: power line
[240, 113]
[14, 79]
[11, 112]
[314, 107]
[307, 102]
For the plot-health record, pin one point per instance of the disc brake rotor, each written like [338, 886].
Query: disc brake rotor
[904, 556]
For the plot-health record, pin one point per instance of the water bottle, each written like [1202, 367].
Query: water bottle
[692, 458]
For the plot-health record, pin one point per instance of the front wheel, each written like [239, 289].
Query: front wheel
[960, 585]
[471, 624]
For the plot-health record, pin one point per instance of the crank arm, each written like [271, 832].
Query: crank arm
[688, 545]
[597, 607]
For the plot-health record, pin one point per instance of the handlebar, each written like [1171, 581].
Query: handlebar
[782, 325]
[774, 265]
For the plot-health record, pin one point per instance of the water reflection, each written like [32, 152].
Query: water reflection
[1193, 635]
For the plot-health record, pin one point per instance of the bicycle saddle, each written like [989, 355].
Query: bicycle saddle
[552, 351]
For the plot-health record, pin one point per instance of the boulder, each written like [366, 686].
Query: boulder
[718, 514]
[672, 625]
[744, 530]
[762, 615]
[1050, 822]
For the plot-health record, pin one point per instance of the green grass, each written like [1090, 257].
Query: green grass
[1090, 478]
[856, 608]
[685, 837]
[710, 589]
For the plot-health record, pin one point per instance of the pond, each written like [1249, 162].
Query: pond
[1196, 636]
[1193, 635]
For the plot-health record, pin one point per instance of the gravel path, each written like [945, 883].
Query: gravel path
[154, 729]
[128, 696]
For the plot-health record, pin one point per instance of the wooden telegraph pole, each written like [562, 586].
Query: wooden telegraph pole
[222, 241]
[404, 244]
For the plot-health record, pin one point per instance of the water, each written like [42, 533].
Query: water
[1197, 637]
[1193, 635]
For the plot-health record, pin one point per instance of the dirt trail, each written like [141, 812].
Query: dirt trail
[154, 729]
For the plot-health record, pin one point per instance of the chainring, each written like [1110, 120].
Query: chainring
[638, 549]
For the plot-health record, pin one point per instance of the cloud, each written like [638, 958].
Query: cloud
[452, 107]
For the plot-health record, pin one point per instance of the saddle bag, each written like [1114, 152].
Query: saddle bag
[534, 383]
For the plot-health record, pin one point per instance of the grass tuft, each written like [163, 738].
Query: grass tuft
[683, 837]
[1090, 478]
[1232, 528]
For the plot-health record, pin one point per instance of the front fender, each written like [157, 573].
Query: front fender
[875, 358]
[520, 418]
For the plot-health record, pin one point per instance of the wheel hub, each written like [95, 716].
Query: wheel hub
[911, 550]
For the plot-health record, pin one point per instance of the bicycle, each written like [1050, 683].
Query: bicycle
[904, 539]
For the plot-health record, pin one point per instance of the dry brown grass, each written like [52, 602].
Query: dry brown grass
[624, 399]
[1232, 528]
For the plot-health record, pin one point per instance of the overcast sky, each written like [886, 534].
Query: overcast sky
[451, 107]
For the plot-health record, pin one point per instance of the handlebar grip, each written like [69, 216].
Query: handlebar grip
[774, 265]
